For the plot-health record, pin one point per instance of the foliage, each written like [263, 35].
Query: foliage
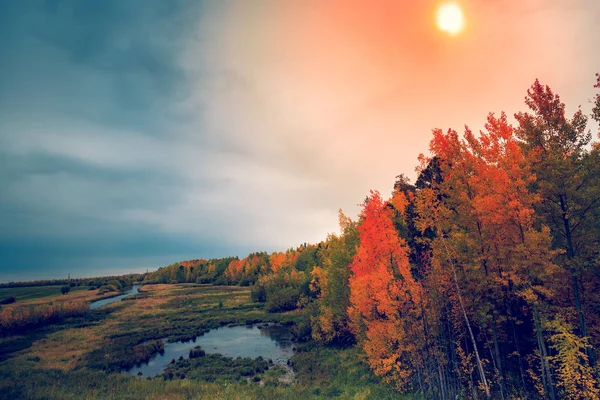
[330, 323]
[383, 297]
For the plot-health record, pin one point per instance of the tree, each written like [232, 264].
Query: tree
[330, 322]
[575, 376]
[383, 298]
[65, 289]
[567, 168]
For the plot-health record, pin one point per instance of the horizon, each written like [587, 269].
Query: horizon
[135, 135]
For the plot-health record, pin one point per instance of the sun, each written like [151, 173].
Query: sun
[449, 18]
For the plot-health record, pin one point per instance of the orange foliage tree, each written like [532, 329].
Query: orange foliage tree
[383, 298]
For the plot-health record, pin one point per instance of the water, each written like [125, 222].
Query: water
[271, 342]
[103, 302]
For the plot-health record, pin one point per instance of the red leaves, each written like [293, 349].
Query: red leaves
[383, 292]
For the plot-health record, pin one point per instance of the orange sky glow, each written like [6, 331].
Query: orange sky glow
[351, 90]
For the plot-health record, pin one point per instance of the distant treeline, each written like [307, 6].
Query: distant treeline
[125, 280]
[280, 279]
[20, 316]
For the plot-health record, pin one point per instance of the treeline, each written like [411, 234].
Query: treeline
[279, 279]
[481, 279]
[96, 282]
[21, 317]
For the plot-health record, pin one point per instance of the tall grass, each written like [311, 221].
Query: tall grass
[20, 318]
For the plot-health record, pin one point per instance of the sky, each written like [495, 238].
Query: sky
[137, 133]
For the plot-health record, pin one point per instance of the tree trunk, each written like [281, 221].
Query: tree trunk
[464, 312]
[498, 358]
[574, 281]
[546, 373]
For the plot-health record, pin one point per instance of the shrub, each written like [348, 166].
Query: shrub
[65, 289]
[285, 299]
[258, 293]
[197, 352]
[110, 288]
[8, 300]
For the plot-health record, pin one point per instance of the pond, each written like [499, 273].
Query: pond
[103, 302]
[272, 342]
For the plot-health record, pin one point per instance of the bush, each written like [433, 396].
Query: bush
[116, 284]
[197, 352]
[302, 331]
[8, 300]
[65, 289]
[258, 293]
[110, 288]
[246, 282]
[285, 299]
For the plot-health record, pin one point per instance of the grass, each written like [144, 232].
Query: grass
[72, 360]
[35, 292]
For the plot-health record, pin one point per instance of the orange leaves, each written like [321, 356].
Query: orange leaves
[235, 270]
[248, 268]
[399, 201]
[383, 292]
[277, 260]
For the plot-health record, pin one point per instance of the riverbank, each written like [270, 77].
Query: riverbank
[82, 357]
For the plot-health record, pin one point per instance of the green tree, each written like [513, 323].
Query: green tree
[330, 322]
[567, 169]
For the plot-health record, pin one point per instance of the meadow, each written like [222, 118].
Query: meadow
[81, 357]
[35, 292]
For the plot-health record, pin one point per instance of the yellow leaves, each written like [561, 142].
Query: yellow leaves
[318, 284]
[399, 201]
[575, 376]
[211, 268]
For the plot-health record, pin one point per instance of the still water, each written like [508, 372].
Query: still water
[271, 342]
[103, 302]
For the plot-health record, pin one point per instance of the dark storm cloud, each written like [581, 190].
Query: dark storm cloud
[110, 62]
[86, 86]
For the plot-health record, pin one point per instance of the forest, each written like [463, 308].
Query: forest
[481, 279]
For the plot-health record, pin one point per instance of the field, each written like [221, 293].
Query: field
[81, 357]
[34, 292]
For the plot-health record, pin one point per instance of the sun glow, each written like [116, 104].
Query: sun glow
[450, 18]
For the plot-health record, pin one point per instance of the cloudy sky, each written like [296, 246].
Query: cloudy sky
[137, 133]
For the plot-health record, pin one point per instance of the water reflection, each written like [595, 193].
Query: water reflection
[270, 342]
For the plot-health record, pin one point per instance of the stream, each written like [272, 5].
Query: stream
[103, 302]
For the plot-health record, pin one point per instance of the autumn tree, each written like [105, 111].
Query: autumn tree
[383, 298]
[330, 322]
[567, 167]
